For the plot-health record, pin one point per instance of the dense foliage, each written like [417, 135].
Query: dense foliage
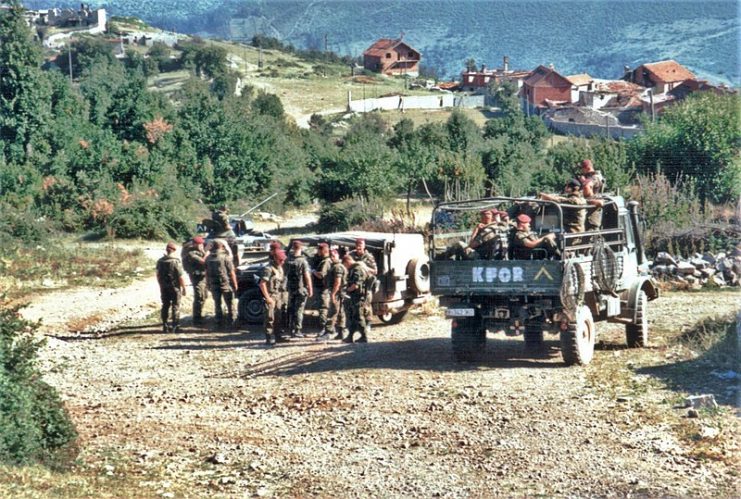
[34, 425]
[107, 154]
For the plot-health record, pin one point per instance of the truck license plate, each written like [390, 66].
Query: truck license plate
[460, 312]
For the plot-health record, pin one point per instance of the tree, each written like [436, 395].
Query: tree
[700, 139]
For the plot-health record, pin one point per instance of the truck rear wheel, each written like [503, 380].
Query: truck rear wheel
[468, 338]
[577, 342]
[637, 334]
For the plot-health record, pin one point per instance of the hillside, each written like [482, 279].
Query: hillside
[598, 37]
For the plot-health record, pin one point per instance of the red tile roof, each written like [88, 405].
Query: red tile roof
[383, 45]
[669, 71]
[546, 77]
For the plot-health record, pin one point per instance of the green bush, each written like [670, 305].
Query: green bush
[34, 425]
[346, 214]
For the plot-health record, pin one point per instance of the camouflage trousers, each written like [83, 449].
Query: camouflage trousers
[358, 312]
[274, 320]
[296, 305]
[200, 291]
[337, 314]
[325, 298]
[227, 296]
[170, 303]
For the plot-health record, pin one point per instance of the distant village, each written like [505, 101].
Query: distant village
[579, 104]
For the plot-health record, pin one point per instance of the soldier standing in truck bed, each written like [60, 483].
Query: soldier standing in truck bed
[573, 218]
[172, 287]
[272, 284]
[593, 183]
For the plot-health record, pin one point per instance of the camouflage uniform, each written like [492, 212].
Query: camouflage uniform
[197, 275]
[274, 277]
[597, 183]
[336, 319]
[323, 287]
[356, 307]
[295, 268]
[522, 252]
[169, 275]
[370, 265]
[219, 269]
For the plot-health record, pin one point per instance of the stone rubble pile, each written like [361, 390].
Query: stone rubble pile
[699, 270]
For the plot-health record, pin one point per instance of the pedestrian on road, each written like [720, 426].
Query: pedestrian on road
[358, 313]
[323, 287]
[272, 287]
[194, 261]
[222, 281]
[299, 286]
[172, 287]
[337, 279]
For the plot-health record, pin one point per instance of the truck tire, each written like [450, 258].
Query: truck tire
[577, 342]
[636, 334]
[393, 318]
[251, 308]
[533, 336]
[468, 339]
[418, 270]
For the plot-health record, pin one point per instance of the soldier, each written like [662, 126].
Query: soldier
[272, 283]
[337, 280]
[172, 287]
[195, 257]
[299, 286]
[358, 312]
[524, 240]
[360, 254]
[573, 218]
[593, 183]
[323, 286]
[222, 281]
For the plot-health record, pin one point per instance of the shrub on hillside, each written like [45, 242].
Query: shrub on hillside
[34, 425]
[346, 214]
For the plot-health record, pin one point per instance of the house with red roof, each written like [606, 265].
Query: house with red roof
[544, 88]
[392, 57]
[661, 76]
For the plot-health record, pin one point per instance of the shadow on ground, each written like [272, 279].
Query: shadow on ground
[716, 371]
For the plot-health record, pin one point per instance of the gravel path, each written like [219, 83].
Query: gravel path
[206, 412]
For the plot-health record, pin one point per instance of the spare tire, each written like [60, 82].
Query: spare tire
[418, 270]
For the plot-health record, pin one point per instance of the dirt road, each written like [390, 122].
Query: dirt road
[206, 412]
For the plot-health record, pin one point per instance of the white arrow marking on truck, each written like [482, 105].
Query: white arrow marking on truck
[542, 272]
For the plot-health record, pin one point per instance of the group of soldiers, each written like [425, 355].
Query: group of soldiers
[344, 286]
[494, 234]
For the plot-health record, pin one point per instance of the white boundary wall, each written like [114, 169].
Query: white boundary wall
[398, 102]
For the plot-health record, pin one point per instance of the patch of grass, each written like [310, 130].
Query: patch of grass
[56, 265]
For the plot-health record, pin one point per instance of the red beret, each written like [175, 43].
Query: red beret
[198, 240]
[522, 218]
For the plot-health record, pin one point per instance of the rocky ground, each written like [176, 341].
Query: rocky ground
[209, 412]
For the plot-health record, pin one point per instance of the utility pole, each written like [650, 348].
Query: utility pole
[69, 55]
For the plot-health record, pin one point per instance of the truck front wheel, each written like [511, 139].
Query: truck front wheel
[577, 341]
[468, 337]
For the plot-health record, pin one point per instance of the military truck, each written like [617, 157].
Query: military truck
[403, 274]
[600, 275]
